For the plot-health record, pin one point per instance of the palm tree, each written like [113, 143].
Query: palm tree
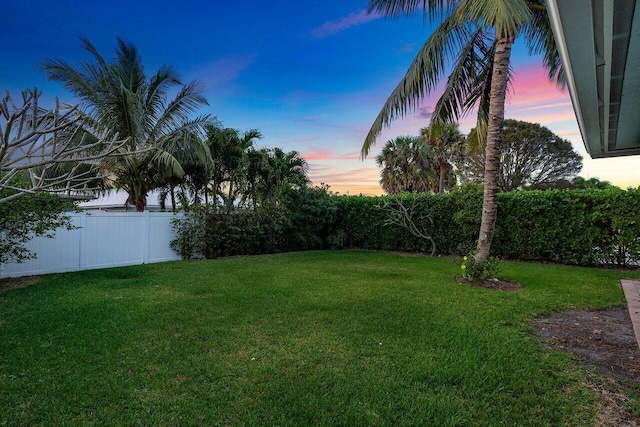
[283, 171]
[229, 150]
[445, 146]
[406, 166]
[271, 173]
[477, 37]
[123, 101]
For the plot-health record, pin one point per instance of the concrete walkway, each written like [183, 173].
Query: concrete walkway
[632, 293]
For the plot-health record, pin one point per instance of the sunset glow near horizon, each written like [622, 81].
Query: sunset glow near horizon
[311, 79]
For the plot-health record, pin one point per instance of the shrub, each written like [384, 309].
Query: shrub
[191, 231]
[36, 214]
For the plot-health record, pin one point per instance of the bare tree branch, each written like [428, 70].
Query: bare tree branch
[407, 217]
[51, 150]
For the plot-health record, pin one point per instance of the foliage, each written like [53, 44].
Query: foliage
[406, 166]
[367, 223]
[122, 101]
[338, 239]
[22, 218]
[273, 173]
[583, 227]
[531, 157]
[247, 232]
[302, 221]
[230, 152]
[245, 176]
[445, 143]
[273, 339]
[190, 227]
[478, 270]
[312, 212]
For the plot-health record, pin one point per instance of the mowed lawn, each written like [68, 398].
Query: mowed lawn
[315, 338]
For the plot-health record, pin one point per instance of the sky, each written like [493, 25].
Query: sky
[310, 75]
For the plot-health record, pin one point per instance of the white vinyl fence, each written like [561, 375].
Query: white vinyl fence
[103, 239]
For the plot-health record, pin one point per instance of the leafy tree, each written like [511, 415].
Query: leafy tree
[531, 156]
[476, 36]
[445, 142]
[124, 102]
[406, 166]
[22, 218]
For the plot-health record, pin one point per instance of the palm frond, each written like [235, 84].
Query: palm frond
[435, 9]
[187, 101]
[539, 38]
[506, 16]
[422, 76]
[462, 92]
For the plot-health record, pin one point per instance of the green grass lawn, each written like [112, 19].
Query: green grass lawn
[316, 338]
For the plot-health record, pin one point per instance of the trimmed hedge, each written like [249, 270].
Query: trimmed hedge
[582, 227]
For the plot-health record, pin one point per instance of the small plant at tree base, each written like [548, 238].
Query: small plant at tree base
[474, 270]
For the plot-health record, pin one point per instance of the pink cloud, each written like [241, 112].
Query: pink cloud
[531, 87]
[314, 154]
[224, 70]
[330, 28]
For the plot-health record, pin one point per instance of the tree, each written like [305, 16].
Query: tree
[47, 150]
[406, 166]
[230, 154]
[477, 37]
[531, 156]
[43, 154]
[445, 144]
[122, 101]
[275, 173]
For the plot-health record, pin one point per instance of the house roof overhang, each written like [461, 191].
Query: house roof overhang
[599, 45]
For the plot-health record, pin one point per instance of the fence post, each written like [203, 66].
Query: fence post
[145, 247]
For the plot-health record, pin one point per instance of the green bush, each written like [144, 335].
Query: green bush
[27, 216]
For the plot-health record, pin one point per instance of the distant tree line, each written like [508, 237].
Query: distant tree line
[532, 157]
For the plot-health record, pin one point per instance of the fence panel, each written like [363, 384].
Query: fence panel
[103, 239]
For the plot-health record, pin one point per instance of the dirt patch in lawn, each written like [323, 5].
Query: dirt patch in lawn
[603, 339]
[495, 284]
[18, 282]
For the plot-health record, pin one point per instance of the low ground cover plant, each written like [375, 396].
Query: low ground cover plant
[307, 338]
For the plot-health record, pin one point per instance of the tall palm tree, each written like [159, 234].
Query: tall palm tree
[445, 146]
[477, 37]
[123, 101]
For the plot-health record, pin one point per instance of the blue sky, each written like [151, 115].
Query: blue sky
[310, 75]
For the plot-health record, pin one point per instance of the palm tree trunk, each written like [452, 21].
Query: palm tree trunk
[230, 200]
[441, 181]
[499, 77]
